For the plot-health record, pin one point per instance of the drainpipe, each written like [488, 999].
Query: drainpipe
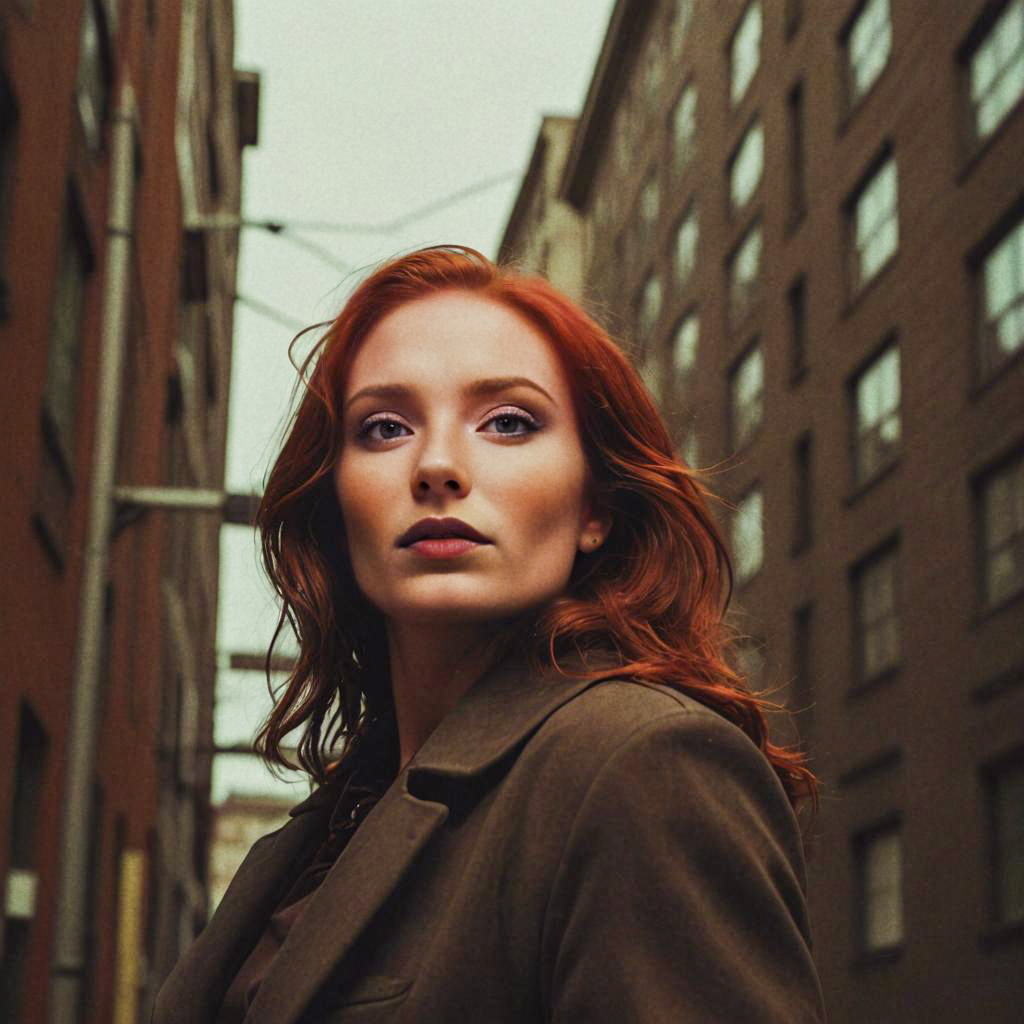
[69, 959]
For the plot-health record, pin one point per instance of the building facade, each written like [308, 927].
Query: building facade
[545, 233]
[806, 224]
[91, 255]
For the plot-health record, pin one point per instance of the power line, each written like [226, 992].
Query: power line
[384, 227]
[318, 251]
[270, 313]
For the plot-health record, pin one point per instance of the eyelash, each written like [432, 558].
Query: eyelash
[508, 412]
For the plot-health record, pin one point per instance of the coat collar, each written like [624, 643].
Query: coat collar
[503, 708]
[506, 705]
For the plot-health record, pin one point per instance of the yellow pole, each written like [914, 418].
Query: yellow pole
[129, 937]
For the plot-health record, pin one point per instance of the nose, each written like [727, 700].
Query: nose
[440, 471]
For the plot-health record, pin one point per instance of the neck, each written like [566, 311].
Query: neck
[432, 666]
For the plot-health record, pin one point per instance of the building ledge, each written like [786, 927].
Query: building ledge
[888, 955]
[883, 678]
[1002, 935]
[852, 497]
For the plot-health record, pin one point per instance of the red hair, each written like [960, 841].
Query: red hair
[655, 592]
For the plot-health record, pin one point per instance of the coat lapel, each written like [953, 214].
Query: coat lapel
[504, 707]
[195, 988]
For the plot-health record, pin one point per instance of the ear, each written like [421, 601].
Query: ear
[594, 532]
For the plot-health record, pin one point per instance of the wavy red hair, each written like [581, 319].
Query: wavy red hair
[655, 592]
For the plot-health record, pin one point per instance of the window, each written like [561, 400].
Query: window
[876, 615]
[875, 224]
[623, 135]
[745, 274]
[997, 70]
[95, 74]
[803, 495]
[748, 657]
[691, 446]
[684, 127]
[21, 883]
[682, 14]
[746, 391]
[649, 306]
[747, 166]
[748, 535]
[793, 16]
[8, 140]
[745, 54]
[649, 204]
[60, 397]
[795, 132]
[654, 68]
[684, 348]
[880, 883]
[1002, 279]
[651, 372]
[801, 700]
[1001, 521]
[876, 391]
[685, 253]
[868, 44]
[796, 306]
[1006, 817]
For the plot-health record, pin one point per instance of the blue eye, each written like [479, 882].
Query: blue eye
[386, 423]
[513, 416]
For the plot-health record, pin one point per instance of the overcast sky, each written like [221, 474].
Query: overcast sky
[370, 111]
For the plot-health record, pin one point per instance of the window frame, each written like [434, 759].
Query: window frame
[991, 774]
[753, 349]
[796, 325]
[682, 376]
[857, 284]
[888, 550]
[862, 842]
[691, 213]
[9, 131]
[739, 311]
[681, 162]
[803, 492]
[978, 35]
[861, 477]
[737, 97]
[985, 367]
[645, 331]
[94, 118]
[744, 578]
[854, 96]
[1011, 462]
[755, 124]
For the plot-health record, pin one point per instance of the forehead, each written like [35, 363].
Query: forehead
[454, 336]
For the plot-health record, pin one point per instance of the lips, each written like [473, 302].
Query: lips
[436, 529]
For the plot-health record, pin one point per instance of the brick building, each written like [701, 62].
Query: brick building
[806, 221]
[544, 232]
[80, 242]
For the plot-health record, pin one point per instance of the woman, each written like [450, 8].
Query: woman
[556, 802]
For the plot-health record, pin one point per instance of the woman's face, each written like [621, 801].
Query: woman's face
[457, 407]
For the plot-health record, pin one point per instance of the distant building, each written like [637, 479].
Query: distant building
[237, 823]
[544, 233]
[64, 69]
[806, 222]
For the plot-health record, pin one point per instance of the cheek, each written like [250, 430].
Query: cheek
[547, 500]
[358, 499]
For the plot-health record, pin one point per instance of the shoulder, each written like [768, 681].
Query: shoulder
[620, 737]
[612, 717]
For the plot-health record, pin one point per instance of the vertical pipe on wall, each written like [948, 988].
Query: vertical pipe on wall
[69, 957]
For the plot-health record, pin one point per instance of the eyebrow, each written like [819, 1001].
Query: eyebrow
[476, 388]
